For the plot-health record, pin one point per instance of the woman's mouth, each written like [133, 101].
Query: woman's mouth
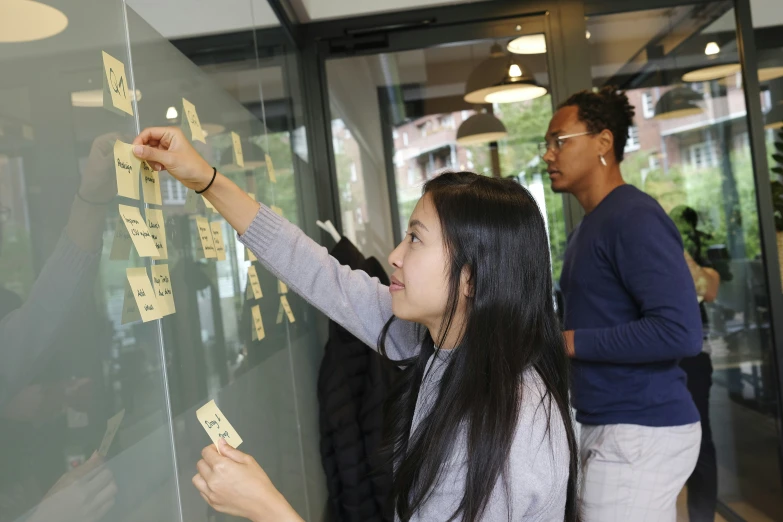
[395, 285]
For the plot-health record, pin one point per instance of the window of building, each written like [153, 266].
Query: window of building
[702, 155]
[648, 107]
[633, 139]
[654, 161]
[447, 121]
[405, 139]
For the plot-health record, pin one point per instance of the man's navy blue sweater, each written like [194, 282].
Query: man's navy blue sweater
[631, 301]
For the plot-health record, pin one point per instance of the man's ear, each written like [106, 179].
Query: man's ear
[606, 143]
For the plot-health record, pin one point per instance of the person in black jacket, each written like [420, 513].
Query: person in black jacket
[353, 384]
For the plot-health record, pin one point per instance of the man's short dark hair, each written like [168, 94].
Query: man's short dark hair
[607, 109]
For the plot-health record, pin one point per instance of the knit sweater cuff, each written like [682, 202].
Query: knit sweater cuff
[262, 231]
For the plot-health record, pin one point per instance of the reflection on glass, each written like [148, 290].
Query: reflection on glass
[689, 148]
[419, 114]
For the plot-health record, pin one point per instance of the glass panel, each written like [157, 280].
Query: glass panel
[69, 366]
[266, 388]
[411, 106]
[700, 159]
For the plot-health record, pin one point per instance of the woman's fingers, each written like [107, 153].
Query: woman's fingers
[201, 484]
[154, 135]
[158, 156]
[204, 469]
[232, 453]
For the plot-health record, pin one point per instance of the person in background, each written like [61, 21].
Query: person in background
[631, 314]
[703, 482]
[481, 426]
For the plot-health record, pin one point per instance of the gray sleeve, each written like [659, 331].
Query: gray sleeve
[362, 305]
[30, 330]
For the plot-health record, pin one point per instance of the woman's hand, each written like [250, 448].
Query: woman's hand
[167, 148]
[235, 484]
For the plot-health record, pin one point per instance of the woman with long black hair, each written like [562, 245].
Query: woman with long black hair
[481, 429]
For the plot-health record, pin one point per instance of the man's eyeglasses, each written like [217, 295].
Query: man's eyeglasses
[556, 144]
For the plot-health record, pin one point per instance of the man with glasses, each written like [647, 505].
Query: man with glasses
[631, 314]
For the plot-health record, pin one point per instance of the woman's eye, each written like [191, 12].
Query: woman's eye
[414, 237]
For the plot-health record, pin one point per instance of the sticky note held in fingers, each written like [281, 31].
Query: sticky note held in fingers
[138, 231]
[239, 159]
[157, 227]
[196, 132]
[161, 284]
[115, 85]
[143, 293]
[217, 238]
[205, 234]
[150, 182]
[126, 167]
[217, 426]
[258, 324]
[112, 425]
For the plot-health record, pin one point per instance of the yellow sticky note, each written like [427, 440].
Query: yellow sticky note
[239, 159]
[121, 245]
[189, 111]
[143, 293]
[281, 287]
[130, 312]
[279, 314]
[252, 196]
[287, 307]
[138, 231]
[209, 205]
[205, 234]
[258, 323]
[270, 168]
[161, 283]
[112, 425]
[249, 255]
[217, 238]
[276, 210]
[255, 284]
[126, 166]
[157, 226]
[217, 426]
[116, 84]
[150, 182]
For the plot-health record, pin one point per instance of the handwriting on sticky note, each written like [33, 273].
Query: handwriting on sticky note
[270, 168]
[217, 238]
[126, 166]
[143, 293]
[116, 83]
[205, 234]
[112, 425]
[217, 426]
[138, 231]
[258, 323]
[161, 284]
[255, 284]
[239, 159]
[157, 226]
[196, 132]
[287, 308]
[130, 311]
[150, 182]
[281, 287]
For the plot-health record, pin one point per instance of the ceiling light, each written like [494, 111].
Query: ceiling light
[711, 49]
[528, 44]
[587, 34]
[26, 21]
[678, 103]
[171, 113]
[501, 79]
[92, 98]
[212, 128]
[714, 72]
[774, 118]
[481, 128]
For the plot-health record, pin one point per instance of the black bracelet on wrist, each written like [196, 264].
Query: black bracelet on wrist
[97, 203]
[214, 175]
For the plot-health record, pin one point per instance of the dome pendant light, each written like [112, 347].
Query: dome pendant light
[501, 79]
[481, 128]
[678, 103]
[27, 21]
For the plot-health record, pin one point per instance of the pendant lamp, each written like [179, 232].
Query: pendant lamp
[501, 79]
[678, 103]
[481, 128]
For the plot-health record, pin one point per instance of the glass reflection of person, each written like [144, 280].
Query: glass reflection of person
[29, 331]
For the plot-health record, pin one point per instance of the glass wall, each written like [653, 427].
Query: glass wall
[396, 120]
[689, 148]
[100, 404]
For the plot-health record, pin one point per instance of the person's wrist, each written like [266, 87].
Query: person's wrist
[205, 174]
